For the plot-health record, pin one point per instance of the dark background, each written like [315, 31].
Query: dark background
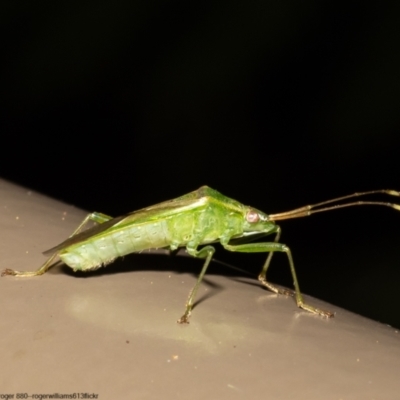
[113, 106]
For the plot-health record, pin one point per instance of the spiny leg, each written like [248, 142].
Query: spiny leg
[95, 217]
[273, 247]
[206, 252]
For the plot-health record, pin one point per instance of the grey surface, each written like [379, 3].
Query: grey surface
[114, 333]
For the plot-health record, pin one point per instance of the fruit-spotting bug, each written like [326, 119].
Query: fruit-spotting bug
[198, 218]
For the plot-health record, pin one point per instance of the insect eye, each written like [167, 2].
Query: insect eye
[252, 217]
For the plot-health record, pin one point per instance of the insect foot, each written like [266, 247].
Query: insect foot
[8, 271]
[272, 288]
[184, 319]
[322, 313]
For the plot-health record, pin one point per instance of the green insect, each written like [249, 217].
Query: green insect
[198, 218]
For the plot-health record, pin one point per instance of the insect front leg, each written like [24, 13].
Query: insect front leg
[263, 274]
[206, 252]
[94, 217]
[272, 247]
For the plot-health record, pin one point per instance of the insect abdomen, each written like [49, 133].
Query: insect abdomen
[103, 249]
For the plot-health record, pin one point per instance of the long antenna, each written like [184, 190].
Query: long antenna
[314, 208]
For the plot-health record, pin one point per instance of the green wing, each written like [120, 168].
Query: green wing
[145, 215]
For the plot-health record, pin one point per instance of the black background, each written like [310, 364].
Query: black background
[113, 106]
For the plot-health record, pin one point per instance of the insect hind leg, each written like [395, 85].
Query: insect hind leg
[96, 217]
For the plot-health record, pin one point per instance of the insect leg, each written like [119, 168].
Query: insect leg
[263, 273]
[271, 248]
[95, 217]
[206, 252]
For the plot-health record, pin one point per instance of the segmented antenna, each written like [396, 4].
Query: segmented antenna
[314, 208]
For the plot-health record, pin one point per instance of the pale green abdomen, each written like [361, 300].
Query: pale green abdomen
[103, 249]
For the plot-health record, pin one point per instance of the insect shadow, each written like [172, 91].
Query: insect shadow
[162, 260]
